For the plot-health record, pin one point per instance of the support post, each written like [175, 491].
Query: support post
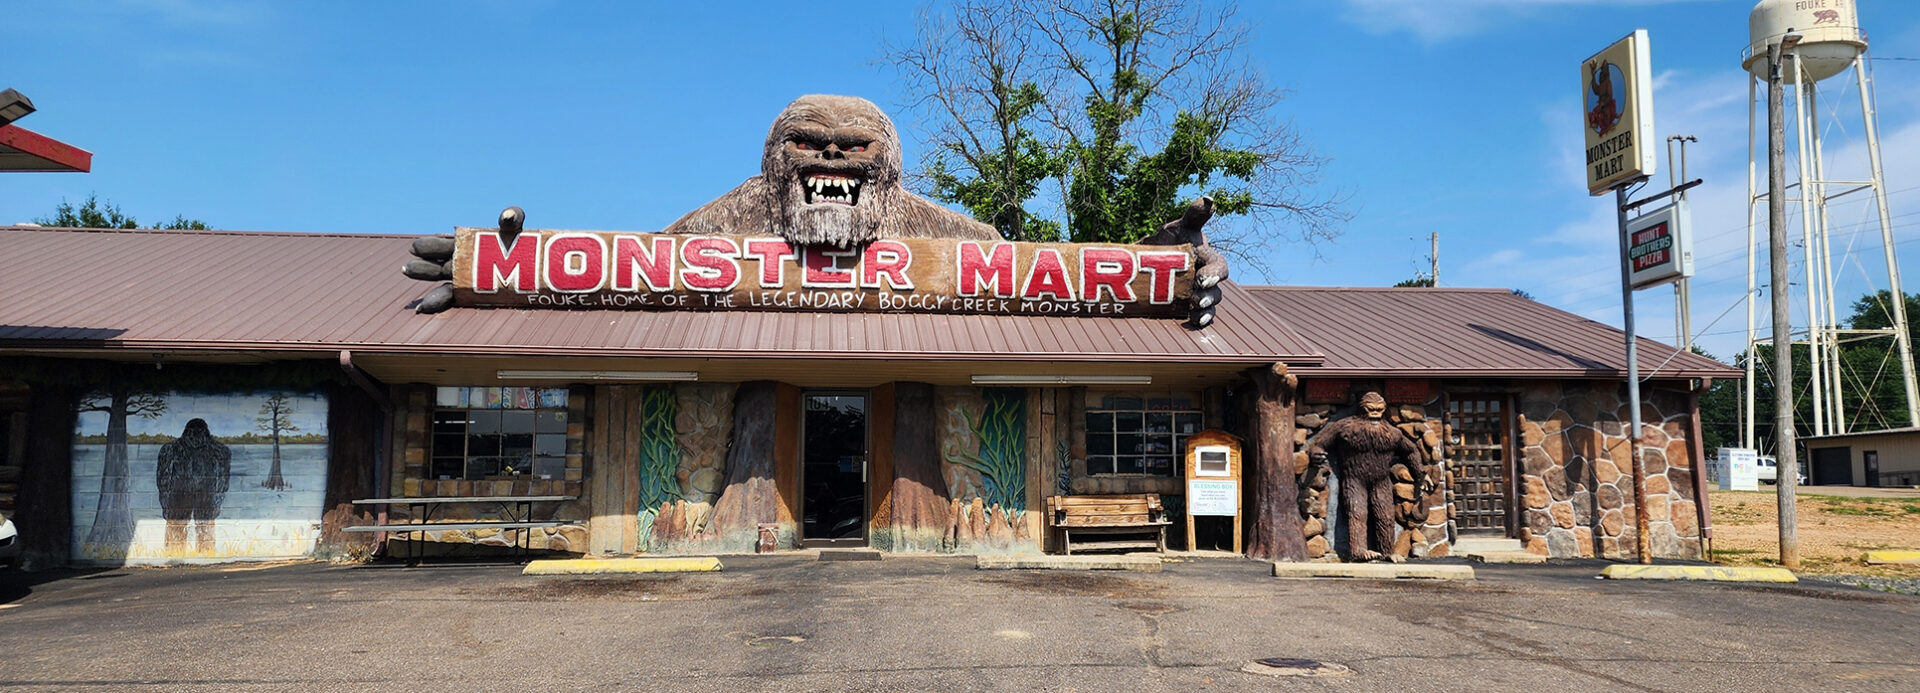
[1748, 417]
[1900, 336]
[1642, 547]
[1278, 532]
[1434, 257]
[1783, 434]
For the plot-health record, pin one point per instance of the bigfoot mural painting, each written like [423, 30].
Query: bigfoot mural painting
[164, 477]
[192, 476]
[1363, 450]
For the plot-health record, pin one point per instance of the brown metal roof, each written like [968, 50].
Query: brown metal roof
[72, 289]
[1465, 332]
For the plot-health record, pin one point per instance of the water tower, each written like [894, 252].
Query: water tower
[1820, 39]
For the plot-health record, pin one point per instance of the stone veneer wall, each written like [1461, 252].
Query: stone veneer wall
[1576, 484]
[1422, 528]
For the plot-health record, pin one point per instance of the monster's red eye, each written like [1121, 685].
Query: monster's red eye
[857, 148]
[804, 145]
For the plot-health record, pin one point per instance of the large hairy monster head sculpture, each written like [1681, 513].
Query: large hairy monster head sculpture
[829, 175]
[832, 164]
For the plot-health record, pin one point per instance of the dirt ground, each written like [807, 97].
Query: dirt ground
[1835, 532]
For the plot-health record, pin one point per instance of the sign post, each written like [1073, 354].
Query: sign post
[1213, 481]
[1617, 92]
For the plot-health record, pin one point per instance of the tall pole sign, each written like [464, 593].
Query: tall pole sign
[1616, 87]
[1617, 90]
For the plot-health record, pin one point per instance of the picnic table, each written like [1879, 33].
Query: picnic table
[518, 510]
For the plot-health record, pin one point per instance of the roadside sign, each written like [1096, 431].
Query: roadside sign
[1737, 469]
[1660, 246]
[1616, 89]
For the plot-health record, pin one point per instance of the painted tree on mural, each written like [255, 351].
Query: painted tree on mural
[276, 418]
[112, 517]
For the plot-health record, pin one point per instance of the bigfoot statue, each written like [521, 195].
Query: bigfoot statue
[1363, 450]
[830, 175]
[192, 476]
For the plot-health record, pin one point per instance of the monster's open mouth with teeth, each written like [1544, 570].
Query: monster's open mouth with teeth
[822, 187]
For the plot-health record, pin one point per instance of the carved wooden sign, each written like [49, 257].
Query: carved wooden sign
[1414, 390]
[1328, 390]
[616, 270]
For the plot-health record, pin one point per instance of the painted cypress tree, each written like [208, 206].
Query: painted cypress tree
[276, 417]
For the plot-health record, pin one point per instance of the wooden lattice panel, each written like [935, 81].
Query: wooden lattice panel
[1478, 455]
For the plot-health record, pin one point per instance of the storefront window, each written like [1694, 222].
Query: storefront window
[495, 433]
[1140, 435]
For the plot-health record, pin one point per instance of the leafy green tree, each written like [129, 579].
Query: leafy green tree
[1414, 283]
[1719, 412]
[975, 70]
[1869, 376]
[1129, 108]
[1870, 366]
[96, 214]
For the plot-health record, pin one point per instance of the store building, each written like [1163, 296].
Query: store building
[198, 396]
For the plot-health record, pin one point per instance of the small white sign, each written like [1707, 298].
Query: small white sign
[1213, 497]
[1737, 469]
[1660, 246]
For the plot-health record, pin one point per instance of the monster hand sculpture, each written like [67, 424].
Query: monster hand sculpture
[830, 175]
[1363, 450]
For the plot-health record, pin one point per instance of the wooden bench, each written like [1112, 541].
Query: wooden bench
[1105, 515]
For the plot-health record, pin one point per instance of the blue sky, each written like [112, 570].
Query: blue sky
[228, 414]
[1457, 117]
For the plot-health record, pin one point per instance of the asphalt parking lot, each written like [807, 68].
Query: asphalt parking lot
[908, 623]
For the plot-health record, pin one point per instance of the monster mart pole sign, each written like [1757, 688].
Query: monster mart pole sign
[1617, 95]
[595, 269]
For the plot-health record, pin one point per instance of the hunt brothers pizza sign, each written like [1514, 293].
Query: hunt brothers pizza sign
[576, 269]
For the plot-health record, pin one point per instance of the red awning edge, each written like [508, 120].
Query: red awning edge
[25, 150]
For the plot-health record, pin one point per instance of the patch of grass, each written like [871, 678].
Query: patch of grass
[1861, 511]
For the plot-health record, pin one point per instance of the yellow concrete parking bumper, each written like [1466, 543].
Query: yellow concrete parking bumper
[1698, 572]
[1893, 558]
[619, 566]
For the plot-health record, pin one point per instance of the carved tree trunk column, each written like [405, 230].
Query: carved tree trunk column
[750, 497]
[1277, 534]
[920, 504]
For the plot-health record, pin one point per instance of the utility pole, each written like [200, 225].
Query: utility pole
[1787, 478]
[1683, 299]
[1433, 256]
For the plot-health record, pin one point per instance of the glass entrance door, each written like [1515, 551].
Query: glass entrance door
[834, 469]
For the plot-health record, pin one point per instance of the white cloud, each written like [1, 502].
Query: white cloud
[1437, 20]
